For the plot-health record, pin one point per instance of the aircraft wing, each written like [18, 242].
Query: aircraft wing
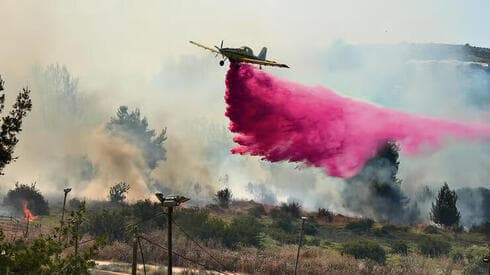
[263, 62]
[204, 47]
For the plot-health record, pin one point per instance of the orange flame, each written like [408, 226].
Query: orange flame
[27, 213]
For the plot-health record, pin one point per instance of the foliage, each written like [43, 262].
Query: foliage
[376, 191]
[434, 246]
[311, 227]
[456, 254]
[74, 203]
[109, 223]
[43, 254]
[223, 197]
[117, 193]
[363, 249]
[325, 214]
[293, 208]
[444, 211]
[483, 228]
[244, 230]
[130, 126]
[12, 124]
[399, 247]
[149, 214]
[283, 220]
[430, 229]
[257, 210]
[474, 263]
[363, 225]
[23, 192]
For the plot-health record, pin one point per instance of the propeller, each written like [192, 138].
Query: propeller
[219, 48]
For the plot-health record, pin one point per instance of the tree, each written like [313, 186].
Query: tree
[130, 126]
[223, 197]
[376, 191]
[444, 211]
[117, 193]
[11, 124]
[23, 192]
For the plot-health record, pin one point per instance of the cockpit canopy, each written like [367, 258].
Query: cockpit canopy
[247, 50]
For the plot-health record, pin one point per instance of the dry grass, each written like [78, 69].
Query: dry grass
[278, 260]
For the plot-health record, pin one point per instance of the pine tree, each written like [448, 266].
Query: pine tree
[444, 211]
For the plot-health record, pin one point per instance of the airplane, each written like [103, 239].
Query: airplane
[243, 54]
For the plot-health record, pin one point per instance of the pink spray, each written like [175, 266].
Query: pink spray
[284, 121]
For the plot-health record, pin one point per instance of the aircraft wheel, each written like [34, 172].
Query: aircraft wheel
[222, 62]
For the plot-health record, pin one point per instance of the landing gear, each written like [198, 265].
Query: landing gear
[222, 62]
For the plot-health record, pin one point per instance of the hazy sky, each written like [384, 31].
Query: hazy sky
[135, 37]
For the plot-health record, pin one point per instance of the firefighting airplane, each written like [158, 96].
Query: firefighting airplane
[243, 54]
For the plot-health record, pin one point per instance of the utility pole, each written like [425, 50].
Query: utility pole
[170, 209]
[135, 255]
[66, 190]
[170, 202]
[303, 219]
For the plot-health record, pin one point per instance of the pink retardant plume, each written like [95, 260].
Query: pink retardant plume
[284, 121]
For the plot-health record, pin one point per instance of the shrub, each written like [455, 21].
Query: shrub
[399, 247]
[311, 227]
[293, 208]
[150, 214]
[483, 228]
[431, 230]
[434, 247]
[283, 220]
[23, 192]
[193, 221]
[74, 203]
[325, 214]
[365, 250]
[223, 197]
[456, 254]
[243, 230]
[474, 263]
[360, 226]
[110, 223]
[257, 211]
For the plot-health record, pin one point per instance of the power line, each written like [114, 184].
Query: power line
[202, 248]
[182, 256]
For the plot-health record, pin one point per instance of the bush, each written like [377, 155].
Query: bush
[456, 254]
[243, 230]
[474, 260]
[293, 208]
[483, 228]
[193, 221]
[110, 223]
[150, 214]
[399, 247]
[325, 214]
[431, 230]
[360, 226]
[434, 247]
[311, 227]
[257, 211]
[365, 250]
[283, 220]
[23, 192]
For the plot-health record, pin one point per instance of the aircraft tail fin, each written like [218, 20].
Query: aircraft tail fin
[262, 54]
